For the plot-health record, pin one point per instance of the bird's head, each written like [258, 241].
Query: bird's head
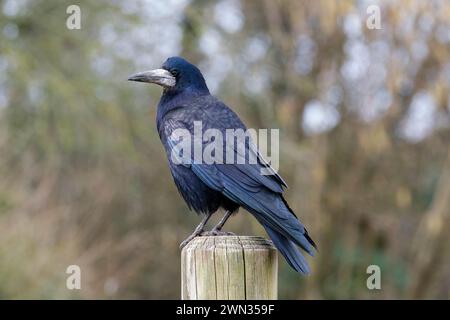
[176, 74]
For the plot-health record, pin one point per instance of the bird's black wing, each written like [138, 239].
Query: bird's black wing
[257, 193]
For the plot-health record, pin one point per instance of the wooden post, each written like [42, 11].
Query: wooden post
[229, 268]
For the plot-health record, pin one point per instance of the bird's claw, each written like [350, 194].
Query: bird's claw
[189, 239]
[216, 233]
[213, 233]
[185, 242]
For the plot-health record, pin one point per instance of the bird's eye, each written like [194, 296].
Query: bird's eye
[174, 72]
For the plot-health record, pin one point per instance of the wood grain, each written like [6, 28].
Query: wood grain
[229, 268]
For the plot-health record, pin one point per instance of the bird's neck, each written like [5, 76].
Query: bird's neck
[171, 100]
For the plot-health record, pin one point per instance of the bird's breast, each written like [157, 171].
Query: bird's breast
[195, 193]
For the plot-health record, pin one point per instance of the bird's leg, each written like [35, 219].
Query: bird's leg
[198, 230]
[217, 230]
[219, 226]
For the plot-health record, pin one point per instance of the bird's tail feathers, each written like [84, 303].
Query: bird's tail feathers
[289, 250]
[280, 218]
[286, 233]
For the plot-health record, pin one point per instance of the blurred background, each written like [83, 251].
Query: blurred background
[364, 118]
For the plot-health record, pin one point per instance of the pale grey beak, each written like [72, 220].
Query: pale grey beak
[159, 76]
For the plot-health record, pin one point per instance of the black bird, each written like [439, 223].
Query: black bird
[208, 187]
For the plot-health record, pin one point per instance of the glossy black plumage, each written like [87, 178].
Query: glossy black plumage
[208, 187]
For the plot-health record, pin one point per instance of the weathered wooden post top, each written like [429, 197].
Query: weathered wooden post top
[228, 268]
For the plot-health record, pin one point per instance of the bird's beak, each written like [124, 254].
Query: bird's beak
[159, 76]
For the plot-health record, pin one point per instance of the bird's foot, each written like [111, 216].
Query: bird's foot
[196, 232]
[214, 233]
[190, 238]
